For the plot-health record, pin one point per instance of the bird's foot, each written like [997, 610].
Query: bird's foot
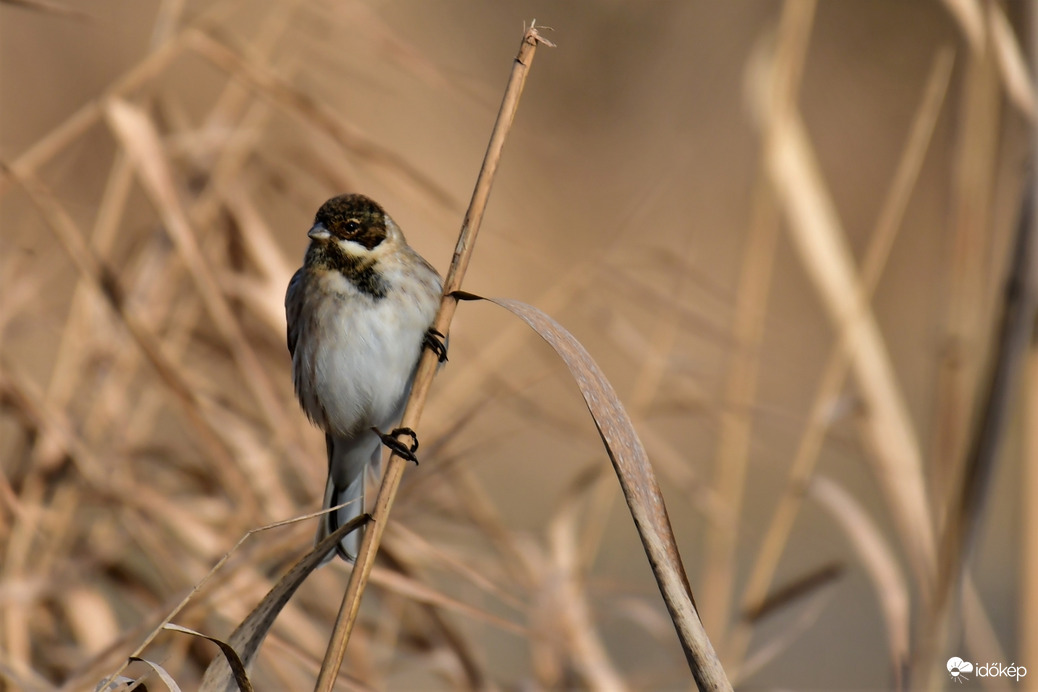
[399, 448]
[437, 343]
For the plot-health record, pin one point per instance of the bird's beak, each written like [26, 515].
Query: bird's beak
[319, 232]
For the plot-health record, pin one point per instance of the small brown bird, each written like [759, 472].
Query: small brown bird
[359, 312]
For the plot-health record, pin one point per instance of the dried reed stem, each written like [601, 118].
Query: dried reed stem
[427, 365]
[286, 96]
[838, 361]
[732, 454]
[1028, 625]
[142, 142]
[966, 308]
[104, 280]
[1028, 632]
[90, 113]
[820, 241]
[1012, 343]
[570, 601]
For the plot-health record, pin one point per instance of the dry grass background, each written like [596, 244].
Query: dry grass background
[782, 230]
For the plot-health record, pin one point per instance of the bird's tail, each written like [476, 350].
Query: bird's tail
[347, 471]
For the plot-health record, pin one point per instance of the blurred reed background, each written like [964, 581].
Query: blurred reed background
[702, 192]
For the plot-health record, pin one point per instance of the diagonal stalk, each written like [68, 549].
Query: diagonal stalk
[427, 365]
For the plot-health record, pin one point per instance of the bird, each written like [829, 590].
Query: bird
[359, 312]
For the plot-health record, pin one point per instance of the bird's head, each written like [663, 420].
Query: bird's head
[356, 225]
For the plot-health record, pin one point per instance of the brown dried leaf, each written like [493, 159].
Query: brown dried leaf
[638, 481]
[247, 637]
[241, 678]
[878, 559]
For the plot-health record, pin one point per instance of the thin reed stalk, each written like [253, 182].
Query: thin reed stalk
[427, 365]
[838, 362]
[1015, 332]
[731, 457]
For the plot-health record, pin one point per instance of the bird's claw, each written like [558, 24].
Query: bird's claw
[437, 343]
[396, 446]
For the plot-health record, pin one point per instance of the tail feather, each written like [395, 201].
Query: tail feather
[348, 464]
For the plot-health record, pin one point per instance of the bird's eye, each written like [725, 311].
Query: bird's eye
[352, 226]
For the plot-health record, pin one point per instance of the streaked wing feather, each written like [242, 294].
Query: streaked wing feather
[293, 308]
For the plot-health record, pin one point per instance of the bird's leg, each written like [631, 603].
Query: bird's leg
[437, 343]
[399, 448]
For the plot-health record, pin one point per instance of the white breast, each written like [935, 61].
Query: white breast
[358, 353]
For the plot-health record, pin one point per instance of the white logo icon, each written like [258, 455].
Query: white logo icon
[957, 668]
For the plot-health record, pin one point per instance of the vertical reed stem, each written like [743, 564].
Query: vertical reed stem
[427, 365]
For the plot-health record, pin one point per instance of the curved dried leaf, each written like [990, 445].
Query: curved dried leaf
[247, 637]
[639, 485]
[877, 557]
[161, 672]
[115, 683]
[229, 654]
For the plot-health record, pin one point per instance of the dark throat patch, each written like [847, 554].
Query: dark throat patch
[361, 272]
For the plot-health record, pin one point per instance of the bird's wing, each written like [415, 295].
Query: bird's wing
[293, 308]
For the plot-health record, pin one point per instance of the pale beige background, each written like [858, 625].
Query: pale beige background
[633, 149]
